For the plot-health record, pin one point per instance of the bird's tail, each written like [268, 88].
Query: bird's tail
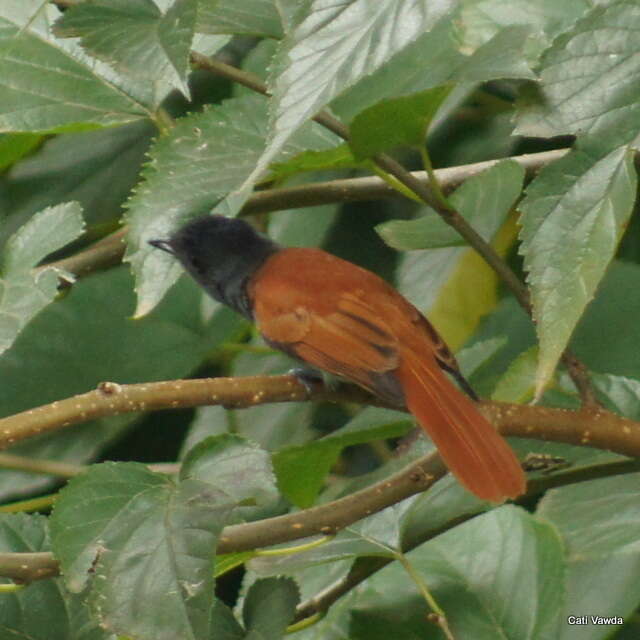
[471, 448]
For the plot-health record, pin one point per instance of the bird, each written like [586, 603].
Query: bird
[347, 321]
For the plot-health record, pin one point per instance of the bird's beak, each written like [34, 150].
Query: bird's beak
[165, 245]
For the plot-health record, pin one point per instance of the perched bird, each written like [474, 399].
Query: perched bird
[347, 321]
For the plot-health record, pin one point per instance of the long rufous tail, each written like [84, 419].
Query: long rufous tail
[472, 449]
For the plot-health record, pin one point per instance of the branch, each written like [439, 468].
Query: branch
[35, 465]
[392, 167]
[109, 251]
[111, 398]
[329, 518]
[374, 187]
[587, 427]
[325, 519]
[594, 427]
[28, 567]
[579, 374]
[364, 567]
[105, 253]
[64, 469]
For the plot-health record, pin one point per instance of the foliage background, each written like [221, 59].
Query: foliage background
[112, 115]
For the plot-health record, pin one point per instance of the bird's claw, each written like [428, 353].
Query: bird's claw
[307, 377]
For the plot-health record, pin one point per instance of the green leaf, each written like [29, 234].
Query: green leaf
[480, 20]
[474, 359]
[395, 122]
[338, 158]
[269, 607]
[373, 625]
[311, 581]
[15, 146]
[95, 168]
[23, 293]
[90, 331]
[438, 510]
[573, 217]
[46, 232]
[147, 546]
[60, 615]
[249, 17]
[378, 535]
[301, 469]
[590, 79]
[25, 13]
[598, 523]
[294, 228]
[483, 200]
[346, 546]
[616, 305]
[208, 421]
[230, 461]
[71, 94]
[228, 561]
[226, 625]
[202, 159]
[509, 323]
[622, 394]
[518, 383]
[209, 45]
[429, 231]
[500, 57]
[405, 112]
[499, 575]
[272, 426]
[332, 48]
[135, 38]
[405, 73]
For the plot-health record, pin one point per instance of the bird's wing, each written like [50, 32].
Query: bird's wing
[351, 341]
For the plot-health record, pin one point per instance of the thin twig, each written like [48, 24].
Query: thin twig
[579, 374]
[28, 567]
[109, 251]
[34, 465]
[65, 469]
[105, 253]
[394, 168]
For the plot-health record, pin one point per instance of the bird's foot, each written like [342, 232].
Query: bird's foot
[310, 378]
[307, 377]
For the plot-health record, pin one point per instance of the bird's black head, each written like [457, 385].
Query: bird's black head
[221, 254]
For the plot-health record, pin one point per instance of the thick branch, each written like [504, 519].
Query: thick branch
[111, 398]
[592, 427]
[589, 427]
[328, 518]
